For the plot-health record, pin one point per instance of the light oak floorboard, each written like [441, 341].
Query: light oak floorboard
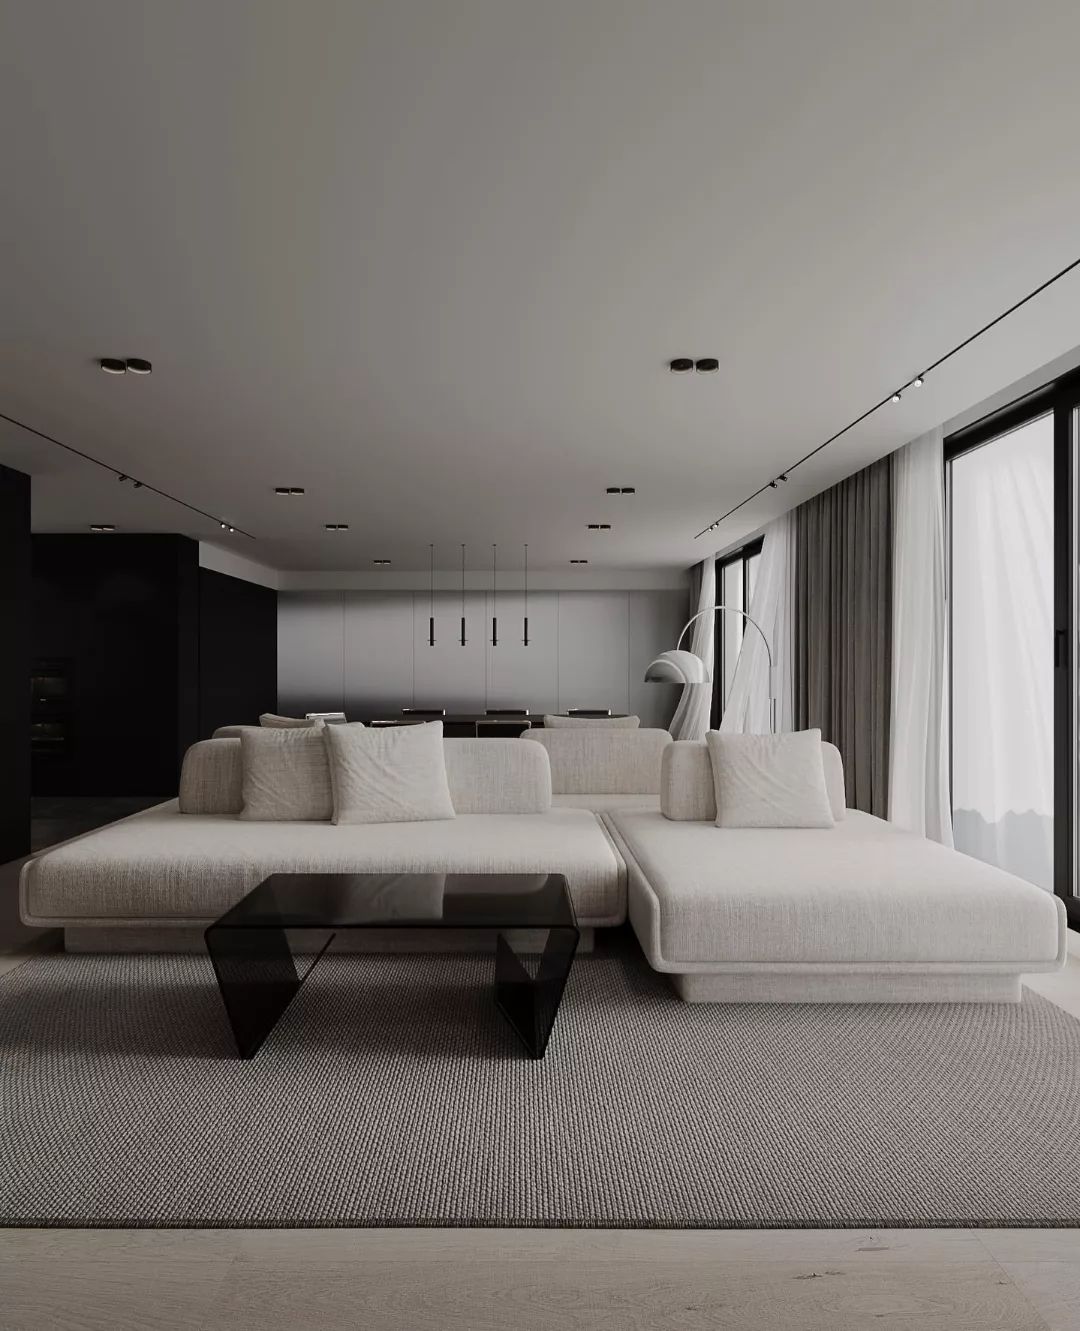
[1052, 1288]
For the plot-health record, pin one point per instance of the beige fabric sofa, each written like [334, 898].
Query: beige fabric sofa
[602, 769]
[860, 912]
[178, 866]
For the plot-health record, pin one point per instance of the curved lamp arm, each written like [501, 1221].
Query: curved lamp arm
[669, 666]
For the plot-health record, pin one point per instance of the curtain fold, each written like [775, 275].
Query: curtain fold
[919, 744]
[843, 627]
[747, 710]
[691, 719]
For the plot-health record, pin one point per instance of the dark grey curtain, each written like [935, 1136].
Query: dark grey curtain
[843, 627]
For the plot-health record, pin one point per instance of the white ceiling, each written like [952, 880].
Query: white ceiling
[429, 259]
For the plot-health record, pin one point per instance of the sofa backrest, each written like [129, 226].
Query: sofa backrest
[602, 762]
[688, 794]
[484, 775]
[558, 722]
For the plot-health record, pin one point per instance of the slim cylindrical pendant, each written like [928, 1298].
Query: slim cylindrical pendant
[463, 630]
[494, 631]
[431, 631]
[526, 643]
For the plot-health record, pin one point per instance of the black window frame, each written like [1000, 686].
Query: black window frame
[1061, 398]
[724, 621]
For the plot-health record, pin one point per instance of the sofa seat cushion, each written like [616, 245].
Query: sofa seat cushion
[164, 865]
[601, 803]
[863, 891]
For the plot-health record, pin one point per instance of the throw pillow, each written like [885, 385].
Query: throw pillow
[286, 774]
[769, 780]
[272, 722]
[395, 774]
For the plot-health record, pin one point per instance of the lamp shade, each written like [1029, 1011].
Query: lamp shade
[677, 667]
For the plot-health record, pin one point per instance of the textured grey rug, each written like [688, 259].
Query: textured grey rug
[392, 1094]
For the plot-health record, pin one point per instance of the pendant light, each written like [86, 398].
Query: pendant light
[525, 640]
[463, 593]
[494, 598]
[431, 606]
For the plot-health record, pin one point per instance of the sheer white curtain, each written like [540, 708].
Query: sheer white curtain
[1002, 566]
[691, 719]
[919, 739]
[747, 709]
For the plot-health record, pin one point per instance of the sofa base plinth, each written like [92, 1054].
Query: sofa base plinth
[840, 987]
[182, 939]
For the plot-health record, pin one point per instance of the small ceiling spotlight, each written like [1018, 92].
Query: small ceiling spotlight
[918, 381]
[579, 561]
[102, 526]
[137, 485]
[111, 365]
[136, 365]
[337, 526]
[782, 476]
[381, 563]
[772, 485]
[232, 529]
[599, 526]
[707, 365]
[288, 489]
[681, 365]
[224, 526]
[895, 397]
[121, 477]
[621, 490]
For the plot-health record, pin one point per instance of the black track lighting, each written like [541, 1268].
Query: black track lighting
[918, 381]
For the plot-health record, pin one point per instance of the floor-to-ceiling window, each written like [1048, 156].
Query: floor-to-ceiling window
[735, 575]
[1013, 595]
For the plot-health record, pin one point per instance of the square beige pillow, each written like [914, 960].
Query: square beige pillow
[391, 775]
[286, 774]
[769, 780]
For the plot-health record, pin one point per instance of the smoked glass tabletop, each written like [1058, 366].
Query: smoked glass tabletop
[401, 900]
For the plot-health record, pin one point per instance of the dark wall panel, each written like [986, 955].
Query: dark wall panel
[237, 651]
[116, 619]
[15, 655]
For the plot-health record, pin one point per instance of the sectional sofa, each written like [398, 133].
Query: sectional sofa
[858, 912]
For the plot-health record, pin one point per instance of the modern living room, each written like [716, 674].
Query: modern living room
[540, 557]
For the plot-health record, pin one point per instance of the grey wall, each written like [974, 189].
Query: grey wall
[367, 652]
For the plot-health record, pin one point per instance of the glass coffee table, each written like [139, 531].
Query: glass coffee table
[257, 970]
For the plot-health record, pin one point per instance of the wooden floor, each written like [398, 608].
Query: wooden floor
[533, 1280]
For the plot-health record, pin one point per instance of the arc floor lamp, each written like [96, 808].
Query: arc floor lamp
[682, 667]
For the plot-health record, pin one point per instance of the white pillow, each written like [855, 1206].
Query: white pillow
[395, 774]
[769, 780]
[274, 722]
[286, 774]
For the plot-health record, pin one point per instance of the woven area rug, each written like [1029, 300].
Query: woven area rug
[392, 1093]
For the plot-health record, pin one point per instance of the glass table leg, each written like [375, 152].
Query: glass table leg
[531, 1004]
[256, 973]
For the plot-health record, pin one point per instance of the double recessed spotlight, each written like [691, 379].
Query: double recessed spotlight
[599, 526]
[133, 365]
[381, 563]
[288, 489]
[684, 364]
[622, 490]
[336, 526]
[579, 561]
[102, 526]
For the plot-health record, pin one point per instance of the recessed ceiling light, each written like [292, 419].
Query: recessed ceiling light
[579, 561]
[337, 526]
[707, 365]
[112, 366]
[382, 563]
[102, 526]
[621, 490]
[288, 489]
[136, 365]
[599, 526]
[680, 365]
